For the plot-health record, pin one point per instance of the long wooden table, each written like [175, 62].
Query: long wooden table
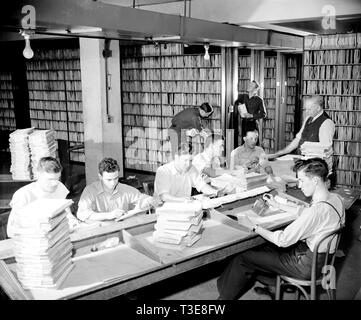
[222, 238]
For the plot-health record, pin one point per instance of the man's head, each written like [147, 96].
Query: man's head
[49, 172]
[205, 110]
[253, 86]
[250, 139]
[108, 173]
[214, 144]
[312, 105]
[310, 173]
[183, 158]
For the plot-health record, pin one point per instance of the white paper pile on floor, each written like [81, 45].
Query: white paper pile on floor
[179, 223]
[317, 150]
[42, 143]
[20, 154]
[43, 248]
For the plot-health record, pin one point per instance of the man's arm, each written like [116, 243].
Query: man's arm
[288, 149]
[86, 212]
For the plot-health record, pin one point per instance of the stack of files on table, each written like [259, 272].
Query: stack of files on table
[313, 150]
[20, 154]
[43, 248]
[179, 224]
[254, 179]
[42, 143]
[230, 183]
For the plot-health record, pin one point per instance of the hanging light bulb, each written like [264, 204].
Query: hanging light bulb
[28, 52]
[206, 54]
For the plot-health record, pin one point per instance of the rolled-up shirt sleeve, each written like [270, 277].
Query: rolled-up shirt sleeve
[162, 182]
[86, 205]
[17, 202]
[299, 229]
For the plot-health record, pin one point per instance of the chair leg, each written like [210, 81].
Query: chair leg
[278, 288]
[331, 293]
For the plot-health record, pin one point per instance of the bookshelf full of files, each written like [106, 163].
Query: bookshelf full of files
[291, 80]
[7, 115]
[244, 70]
[157, 83]
[269, 97]
[332, 69]
[55, 96]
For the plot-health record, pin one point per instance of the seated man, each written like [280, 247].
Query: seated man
[208, 162]
[290, 251]
[107, 199]
[174, 180]
[47, 186]
[248, 156]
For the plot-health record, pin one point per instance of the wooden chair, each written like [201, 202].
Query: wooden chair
[315, 281]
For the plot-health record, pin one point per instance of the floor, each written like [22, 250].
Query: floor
[200, 284]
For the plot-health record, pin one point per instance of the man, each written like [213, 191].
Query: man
[254, 106]
[107, 199]
[174, 180]
[317, 128]
[188, 122]
[208, 162]
[248, 156]
[47, 186]
[291, 250]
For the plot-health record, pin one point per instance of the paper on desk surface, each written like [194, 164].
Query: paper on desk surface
[289, 157]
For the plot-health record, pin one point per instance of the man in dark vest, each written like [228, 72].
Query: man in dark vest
[317, 131]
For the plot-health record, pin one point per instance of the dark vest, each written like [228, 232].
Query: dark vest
[311, 131]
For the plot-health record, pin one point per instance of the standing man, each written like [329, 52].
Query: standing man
[107, 199]
[188, 122]
[317, 129]
[251, 108]
[47, 186]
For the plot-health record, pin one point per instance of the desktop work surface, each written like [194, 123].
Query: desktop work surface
[137, 260]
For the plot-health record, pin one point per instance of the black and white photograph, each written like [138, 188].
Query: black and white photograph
[180, 158]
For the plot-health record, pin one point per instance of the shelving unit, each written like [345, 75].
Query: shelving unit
[7, 115]
[291, 70]
[158, 83]
[55, 97]
[332, 69]
[269, 123]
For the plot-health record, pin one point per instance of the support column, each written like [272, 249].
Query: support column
[102, 123]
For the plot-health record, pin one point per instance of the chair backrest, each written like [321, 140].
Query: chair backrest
[148, 187]
[329, 257]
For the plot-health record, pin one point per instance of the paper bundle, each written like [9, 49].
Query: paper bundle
[316, 150]
[43, 248]
[20, 154]
[179, 224]
[229, 183]
[42, 143]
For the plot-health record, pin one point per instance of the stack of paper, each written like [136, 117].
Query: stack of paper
[179, 224]
[42, 143]
[43, 248]
[20, 154]
[229, 183]
[254, 179]
[317, 150]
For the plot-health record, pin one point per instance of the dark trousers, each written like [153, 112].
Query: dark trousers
[240, 274]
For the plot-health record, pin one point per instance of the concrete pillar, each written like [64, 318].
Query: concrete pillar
[102, 131]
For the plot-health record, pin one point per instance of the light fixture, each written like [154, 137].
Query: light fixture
[206, 54]
[27, 52]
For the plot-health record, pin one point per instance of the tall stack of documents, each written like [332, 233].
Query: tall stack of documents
[179, 224]
[20, 154]
[317, 150]
[42, 245]
[42, 143]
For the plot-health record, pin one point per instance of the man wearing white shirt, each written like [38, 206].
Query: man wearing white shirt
[47, 186]
[291, 250]
[174, 181]
[318, 128]
[208, 162]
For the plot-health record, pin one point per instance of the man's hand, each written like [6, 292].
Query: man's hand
[246, 115]
[271, 156]
[115, 214]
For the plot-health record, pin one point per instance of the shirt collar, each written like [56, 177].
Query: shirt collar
[100, 188]
[316, 116]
